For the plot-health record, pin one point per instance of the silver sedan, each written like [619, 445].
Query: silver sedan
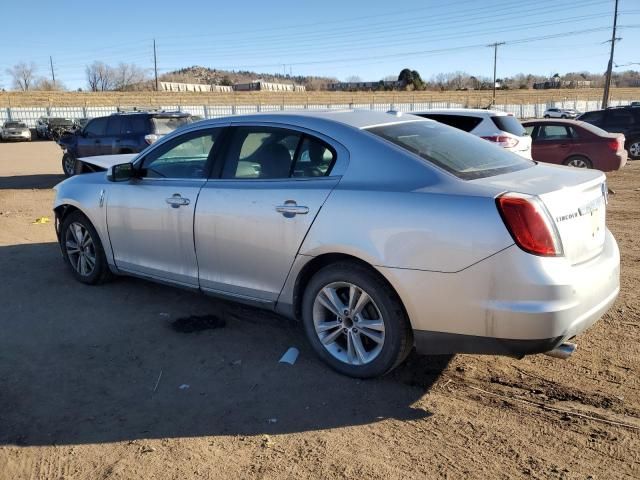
[379, 232]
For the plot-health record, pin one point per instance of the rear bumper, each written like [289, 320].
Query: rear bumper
[512, 303]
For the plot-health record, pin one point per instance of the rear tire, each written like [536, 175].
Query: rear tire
[69, 164]
[563, 116]
[82, 250]
[578, 161]
[354, 321]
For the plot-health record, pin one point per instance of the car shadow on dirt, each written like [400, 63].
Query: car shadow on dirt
[29, 182]
[82, 364]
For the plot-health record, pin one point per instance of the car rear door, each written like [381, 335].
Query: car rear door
[252, 219]
[553, 143]
[150, 219]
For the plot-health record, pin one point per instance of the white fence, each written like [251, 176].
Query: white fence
[30, 115]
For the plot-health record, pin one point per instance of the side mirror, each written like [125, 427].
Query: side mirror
[121, 173]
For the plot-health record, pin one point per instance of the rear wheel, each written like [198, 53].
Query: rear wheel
[634, 149]
[82, 249]
[68, 164]
[563, 116]
[578, 162]
[354, 321]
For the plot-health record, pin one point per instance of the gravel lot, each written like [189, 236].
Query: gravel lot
[79, 365]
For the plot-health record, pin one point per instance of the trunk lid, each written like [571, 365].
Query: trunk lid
[575, 199]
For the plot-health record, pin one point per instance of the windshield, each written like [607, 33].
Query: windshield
[460, 153]
[164, 125]
[15, 125]
[509, 124]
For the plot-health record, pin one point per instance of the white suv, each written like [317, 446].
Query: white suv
[501, 128]
[560, 113]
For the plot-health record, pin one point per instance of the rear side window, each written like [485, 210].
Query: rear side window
[466, 156]
[509, 124]
[114, 126]
[461, 122]
[276, 153]
[164, 125]
[620, 117]
[134, 124]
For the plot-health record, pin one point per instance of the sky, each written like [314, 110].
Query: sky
[337, 38]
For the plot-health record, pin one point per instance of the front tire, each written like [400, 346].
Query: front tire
[82, 249]
[354, 321]
[547, 116]
[68, 164]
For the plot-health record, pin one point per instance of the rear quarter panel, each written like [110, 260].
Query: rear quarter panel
[411, 230]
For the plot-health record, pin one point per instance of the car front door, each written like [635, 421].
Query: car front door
[252, 219]
[90, 140]
[553, 143]
[150, 219]
[111, 139]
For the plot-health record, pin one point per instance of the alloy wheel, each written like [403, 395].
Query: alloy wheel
[634, 149]
[578, 163]
[348, 323]
[80, 249]
[69, 165]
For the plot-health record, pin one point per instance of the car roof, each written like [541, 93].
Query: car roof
[354, 118]
[471, 112]
[576, 123]
[553, 120]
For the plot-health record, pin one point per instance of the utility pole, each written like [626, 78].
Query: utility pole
[53, 75]
[155, 63]
[607, 81]
[495, 62]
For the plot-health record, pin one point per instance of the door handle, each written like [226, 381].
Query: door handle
[291, 208]
[564, 145]
[176, 201]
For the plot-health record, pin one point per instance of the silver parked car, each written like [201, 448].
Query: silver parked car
[560, 113]
[379, 232]
[13, 130]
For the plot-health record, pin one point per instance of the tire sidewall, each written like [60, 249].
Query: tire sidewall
[635, 141]
[64, 166]
[386, 301]
[101, 268]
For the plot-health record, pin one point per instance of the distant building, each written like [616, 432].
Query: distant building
[261, 85]
[192, 87]
[557, 83]
[350, 86]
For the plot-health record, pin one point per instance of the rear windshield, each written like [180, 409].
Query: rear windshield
[164, 125]
[15, 125]
[461, 122]
[462, 154]
[509, 124]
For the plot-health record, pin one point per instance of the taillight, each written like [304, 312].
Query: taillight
[529, 224]
[152, 137]
[502, 140]
[616, 144]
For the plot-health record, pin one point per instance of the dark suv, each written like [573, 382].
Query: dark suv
[129, 132]
[625, 120]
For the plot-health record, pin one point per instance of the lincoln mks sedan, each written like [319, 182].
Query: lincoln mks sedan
[379, 232]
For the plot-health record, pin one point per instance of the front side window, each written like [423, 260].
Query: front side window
[270, 153]
[592, 117]
[184, 157]
[465, 156]
[96, 127]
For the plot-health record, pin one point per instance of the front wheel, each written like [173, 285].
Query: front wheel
[68, 164]
[547, 116]
[634, 149]
[578, 162]
[82, 249]
[354, 321]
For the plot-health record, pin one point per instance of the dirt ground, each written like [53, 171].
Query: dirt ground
[91, 377]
